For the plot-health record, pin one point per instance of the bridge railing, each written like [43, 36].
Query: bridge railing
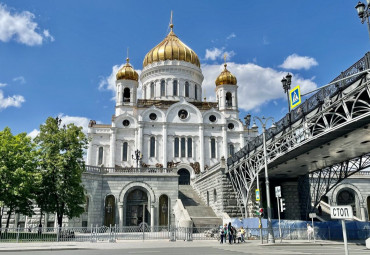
[308, 106]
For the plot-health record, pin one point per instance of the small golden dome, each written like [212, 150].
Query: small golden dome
[169, 49]
[127, 72]
[226, 77]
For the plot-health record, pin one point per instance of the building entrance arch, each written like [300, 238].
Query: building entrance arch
[137, 208]
[184, 178]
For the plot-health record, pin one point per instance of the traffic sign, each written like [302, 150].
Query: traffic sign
[295, 97]
[278, 191]
[257, 195]
[341, 212]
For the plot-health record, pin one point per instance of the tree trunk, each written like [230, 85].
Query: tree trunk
[60, 220]
[8, 220]
[1, 217]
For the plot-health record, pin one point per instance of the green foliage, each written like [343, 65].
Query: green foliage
[18, 172]
[62, 165]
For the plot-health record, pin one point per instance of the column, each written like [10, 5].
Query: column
[120, 214]
[139, 141]
[113, 147]
[224, 137]
[201, 148]
[152, 223]
[164, 146]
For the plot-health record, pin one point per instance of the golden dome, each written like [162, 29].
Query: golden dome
[127, 72]
[169, 49]
[226, 77]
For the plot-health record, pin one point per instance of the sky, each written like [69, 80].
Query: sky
[59, 58]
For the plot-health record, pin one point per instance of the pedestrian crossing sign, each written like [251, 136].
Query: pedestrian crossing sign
[295, 97]
[257, 195]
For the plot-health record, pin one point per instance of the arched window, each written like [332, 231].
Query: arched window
[176, 147]
[214, 195]
[126, 95]
[213, 148]
[152, 90]
[186, 89]
[124, 151]
[175, 87]
[207, 198]
[190, 147]
[163, 88]
[196, 92]
[152, 146]
[183, 147]
[229, 102]
[100, 156]
[231, 149]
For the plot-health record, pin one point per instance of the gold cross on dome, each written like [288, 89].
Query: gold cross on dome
[225, 57]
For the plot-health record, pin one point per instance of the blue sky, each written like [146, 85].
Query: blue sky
[59, 57]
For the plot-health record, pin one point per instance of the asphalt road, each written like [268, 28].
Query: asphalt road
[216, 250]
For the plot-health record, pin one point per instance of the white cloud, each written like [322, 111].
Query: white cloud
[297, 62]
[232, 35]
[48, 35]
[20, 27]
[9, 101]
[257, 85]
[2, 84]
[20, 79]
[109, 82]
[78, 121]
[218, 53]
[33, 133]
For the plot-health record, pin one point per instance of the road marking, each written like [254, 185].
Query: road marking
[134, 252]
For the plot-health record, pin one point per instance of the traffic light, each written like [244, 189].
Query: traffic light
[282, 205]
[256, 206]
[261, 212]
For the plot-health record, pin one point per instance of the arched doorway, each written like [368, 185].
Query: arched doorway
[110, 205]
[137, 208]
[163, 210]
[184, 178]
[347, 197]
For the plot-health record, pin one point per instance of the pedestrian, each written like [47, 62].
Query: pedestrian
[309, 232]
[229, 232]
[242, 234]
[234, 233]
[320, 210]
[39, 231]
[222, 234]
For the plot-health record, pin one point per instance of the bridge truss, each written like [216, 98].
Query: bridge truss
[328, 110]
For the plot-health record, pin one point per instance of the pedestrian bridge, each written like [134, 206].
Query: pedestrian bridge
[327, 136]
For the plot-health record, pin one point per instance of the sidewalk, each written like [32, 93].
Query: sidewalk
[130, 244]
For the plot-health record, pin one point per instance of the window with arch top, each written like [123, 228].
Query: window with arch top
[196, 92]
[190, 147]
[176, 147]
[124, 151]
[175, 87]
[163, 88]
[187, 89]
[126, 95]
[152, 90]
[231, 149]
[100, 155]
[213, 148]
[183, 147]
[152, 147]
[229, 102]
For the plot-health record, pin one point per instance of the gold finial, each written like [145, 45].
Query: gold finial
[225, 56]
[127, 59]
[171, 24]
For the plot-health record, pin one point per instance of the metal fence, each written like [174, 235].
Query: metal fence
[114, 233]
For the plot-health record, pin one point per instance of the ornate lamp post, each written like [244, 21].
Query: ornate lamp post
[287, 81]
[138, 156]
[263, 122]
[364, 13]
[247, 120]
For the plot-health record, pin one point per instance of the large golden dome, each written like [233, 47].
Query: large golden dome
[226, 77]
[127, 72]
[169, 49]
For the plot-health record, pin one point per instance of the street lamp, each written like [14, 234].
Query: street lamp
[247, 120]
[138, 156]
[263, 122]
[287, 81]
[364, 13]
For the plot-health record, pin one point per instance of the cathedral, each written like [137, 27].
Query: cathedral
[160, 142]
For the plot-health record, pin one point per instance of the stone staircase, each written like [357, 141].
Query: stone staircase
[201, 214]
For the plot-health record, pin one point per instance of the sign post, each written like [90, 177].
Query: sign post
[342, 213]
[278, 195]
[295, 97]
[313, 215]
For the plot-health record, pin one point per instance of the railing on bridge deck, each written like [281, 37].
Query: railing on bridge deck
[307, 106]
[129, 170]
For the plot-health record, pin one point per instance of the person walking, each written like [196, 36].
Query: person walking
[222, 234]
[229, 232]
[242, 234]
[309, 232]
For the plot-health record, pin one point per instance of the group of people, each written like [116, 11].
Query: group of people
[231, 234]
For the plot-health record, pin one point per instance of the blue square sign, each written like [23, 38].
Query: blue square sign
[295, 97]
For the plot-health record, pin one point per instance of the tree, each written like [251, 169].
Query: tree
[18, 174]
[62, 165]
